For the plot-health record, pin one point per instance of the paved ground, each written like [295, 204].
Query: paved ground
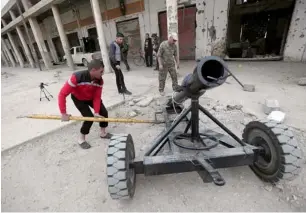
[54, 174]
[51, 173]
[20, 96]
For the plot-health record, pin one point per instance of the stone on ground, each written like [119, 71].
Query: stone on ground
[270, 105]
[145, 102]
[132, 114]
[234, 107]
[249, 87]
[302, 81]
[277, 116]
[136, 100]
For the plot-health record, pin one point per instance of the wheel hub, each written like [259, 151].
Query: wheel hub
[264, 160]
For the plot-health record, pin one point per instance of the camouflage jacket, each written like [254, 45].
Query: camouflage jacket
[166, 51]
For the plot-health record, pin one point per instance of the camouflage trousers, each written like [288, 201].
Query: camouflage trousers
[163, 76]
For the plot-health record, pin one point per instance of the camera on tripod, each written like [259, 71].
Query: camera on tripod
[44, 91]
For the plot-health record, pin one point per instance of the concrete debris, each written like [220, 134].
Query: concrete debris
[132, 114]
[280, 187]
[268, 188]
[278, 116]
[218, 108]
[136, 100]
[246, 121]
[131, 103]
[249, 87]
[234, 107]
[294, 197]
[270, 105]
[145, 102]
[302, 82]
[219, 49]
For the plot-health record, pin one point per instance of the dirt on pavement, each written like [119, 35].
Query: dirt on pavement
[52, 173]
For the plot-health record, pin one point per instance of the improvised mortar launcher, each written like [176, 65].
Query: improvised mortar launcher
[268, 147]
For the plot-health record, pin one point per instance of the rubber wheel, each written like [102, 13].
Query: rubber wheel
[138, 61]
[121, 178]
[281, 158]
[85, 62]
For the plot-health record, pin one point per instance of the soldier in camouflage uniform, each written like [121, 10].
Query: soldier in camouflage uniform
[167, 55]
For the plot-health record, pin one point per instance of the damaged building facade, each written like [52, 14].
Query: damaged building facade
[232, 29]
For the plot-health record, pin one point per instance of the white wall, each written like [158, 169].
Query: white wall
[296, 39]
[211, 27]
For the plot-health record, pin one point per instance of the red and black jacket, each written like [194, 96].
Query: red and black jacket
[81, 86]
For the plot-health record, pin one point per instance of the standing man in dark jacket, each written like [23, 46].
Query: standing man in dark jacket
[124, 52]
[155, 41]
[148, 48]
[115, 58]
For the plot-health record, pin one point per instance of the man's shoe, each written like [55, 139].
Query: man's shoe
[127, 92]
[84, 145]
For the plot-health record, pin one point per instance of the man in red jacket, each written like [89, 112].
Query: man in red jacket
[85, 88]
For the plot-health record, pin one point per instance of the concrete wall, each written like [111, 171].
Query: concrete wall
[85, 12]
[211, 23]
[211, 27]
[296, 39]
[210, 32]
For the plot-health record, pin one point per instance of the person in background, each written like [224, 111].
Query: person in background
[155, 41]
[167, 56]
[115, 58]
[85, 88]
[148, 48]
[124, 53]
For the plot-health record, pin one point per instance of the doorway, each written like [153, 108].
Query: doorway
[258, 29]
[186, 30]
[131, 31]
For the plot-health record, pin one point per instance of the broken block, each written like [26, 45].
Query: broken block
[249, 87]
[270, 105]
[302, 82]
[278, 116]
[136, 100]
[145, 102]
[133, 114]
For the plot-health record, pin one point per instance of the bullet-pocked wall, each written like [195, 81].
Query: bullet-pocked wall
[211, 23]
[210, 31]
[295, 47]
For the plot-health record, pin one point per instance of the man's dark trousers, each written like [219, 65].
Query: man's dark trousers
[83, 107]
[149, 58]
[124, 59]
[119, 78]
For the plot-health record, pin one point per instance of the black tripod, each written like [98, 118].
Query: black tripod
[44, 90]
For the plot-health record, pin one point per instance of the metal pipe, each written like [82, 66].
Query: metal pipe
[162, 137]
[221, 125]
[210, 72]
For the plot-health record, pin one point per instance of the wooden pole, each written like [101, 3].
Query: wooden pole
[94, 119]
